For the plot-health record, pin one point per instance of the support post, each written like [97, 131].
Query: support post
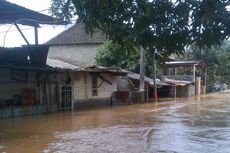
[194, 73]
[155, 75]
[198, 86]
[142, 70]
[36, 35]
[23, 36]
[142, 74]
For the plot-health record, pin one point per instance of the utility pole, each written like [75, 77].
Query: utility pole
[155, 74]
[142, 73]
[142, 70]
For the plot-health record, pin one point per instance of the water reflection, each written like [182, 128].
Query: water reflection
[181, 126]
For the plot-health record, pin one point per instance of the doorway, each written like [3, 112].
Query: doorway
[66, 97]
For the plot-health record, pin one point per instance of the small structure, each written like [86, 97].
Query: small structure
[88, 86]
[184, 78]
[14, 14]
[128, 88]
[25, 81]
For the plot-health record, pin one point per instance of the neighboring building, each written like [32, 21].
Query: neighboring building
[29, 86]
[76, 46]
[89, 86]
[26, 81]
[184, 78]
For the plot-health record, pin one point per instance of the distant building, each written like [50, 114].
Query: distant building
[182, 77]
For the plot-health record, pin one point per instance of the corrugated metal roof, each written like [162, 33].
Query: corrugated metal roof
[77, 35]
[176, 82]
[148, 80]
[182, 63]
[11, 13]
[24, 56]
[61, 65]
[57, 63]
[100, 69]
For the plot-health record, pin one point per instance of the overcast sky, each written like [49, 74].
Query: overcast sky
[12, 38]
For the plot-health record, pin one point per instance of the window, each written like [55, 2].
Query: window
[94, 85]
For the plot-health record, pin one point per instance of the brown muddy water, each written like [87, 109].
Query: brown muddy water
[193, 125]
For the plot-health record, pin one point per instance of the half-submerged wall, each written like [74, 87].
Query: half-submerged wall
[93, 89]
[26, 93]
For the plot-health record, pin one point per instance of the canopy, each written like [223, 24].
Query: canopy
[12, 13]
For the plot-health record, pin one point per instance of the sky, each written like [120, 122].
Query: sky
[12, 38]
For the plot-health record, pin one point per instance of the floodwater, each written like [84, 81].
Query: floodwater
[191, 125]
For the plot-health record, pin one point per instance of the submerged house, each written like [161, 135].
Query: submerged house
[183, 79]
[25, 81]
[30, 84]
[88, 86]
[76, 50]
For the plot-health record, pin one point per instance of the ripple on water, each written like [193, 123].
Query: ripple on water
[119, 139]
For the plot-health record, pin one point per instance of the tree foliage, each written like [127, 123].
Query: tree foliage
[168, 25]
[217, 58]
[112, 54]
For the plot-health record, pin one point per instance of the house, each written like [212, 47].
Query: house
[30, 84]
[183, 78]
[76, 46]
[88, 86]
[26, 85]
[25, 82]
[128, 88]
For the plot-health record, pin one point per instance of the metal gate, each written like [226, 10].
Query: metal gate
[66, 97]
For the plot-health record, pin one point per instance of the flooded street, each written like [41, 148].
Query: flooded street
[193, 125]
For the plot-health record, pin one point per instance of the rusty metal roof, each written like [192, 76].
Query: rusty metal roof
[60, 64]
[176, 82]
[12, 13]
[149, 81]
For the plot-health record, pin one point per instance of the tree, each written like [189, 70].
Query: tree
[112, 54]
[167, 25]
[217, 58]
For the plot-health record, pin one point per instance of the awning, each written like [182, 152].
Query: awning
[12, 13]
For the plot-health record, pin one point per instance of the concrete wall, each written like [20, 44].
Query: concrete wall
[80, 54]
[45, 94]
[10, 87]
[83, 87]
[185, 91]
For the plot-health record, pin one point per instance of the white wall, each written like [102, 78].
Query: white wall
[83, 86]
[79, 55]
